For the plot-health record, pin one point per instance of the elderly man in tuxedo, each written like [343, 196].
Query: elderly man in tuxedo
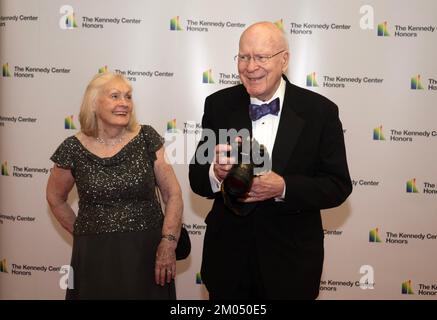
[276, 250]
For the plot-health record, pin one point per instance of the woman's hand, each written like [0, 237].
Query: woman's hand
[165, 264]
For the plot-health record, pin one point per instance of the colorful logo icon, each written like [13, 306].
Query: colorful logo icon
[207, 76]
[407, 287]
[383, 30]
[377, 134]
[311, 80]
[68, 19]
[171, 125]
[374, 235]
[198, 278]
[279, 24]
[5, 170]
[3, 266]
[103, 69]
[175, 24]
[411, 186]
[5, 70]
[416, 84]
[69, 124]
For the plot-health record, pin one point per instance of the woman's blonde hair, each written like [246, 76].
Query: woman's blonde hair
[87, 116]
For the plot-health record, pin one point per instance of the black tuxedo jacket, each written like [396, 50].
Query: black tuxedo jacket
[284, 238]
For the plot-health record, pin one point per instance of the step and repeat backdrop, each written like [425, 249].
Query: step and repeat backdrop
[375, 59]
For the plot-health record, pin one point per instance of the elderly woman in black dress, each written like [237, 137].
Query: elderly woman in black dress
[123, 245]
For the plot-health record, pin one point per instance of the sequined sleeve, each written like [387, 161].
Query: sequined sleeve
[154, 141]
[63, 156]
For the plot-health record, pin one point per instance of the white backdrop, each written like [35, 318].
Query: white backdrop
[364, 55]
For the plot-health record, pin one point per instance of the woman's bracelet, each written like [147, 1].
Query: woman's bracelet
[169, 237]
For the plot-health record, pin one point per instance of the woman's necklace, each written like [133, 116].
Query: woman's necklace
[114, 142]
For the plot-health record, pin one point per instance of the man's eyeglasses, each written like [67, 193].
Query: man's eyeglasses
[258, 59]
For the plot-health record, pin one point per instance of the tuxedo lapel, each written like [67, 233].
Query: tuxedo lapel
[238, 117]
[290, 127]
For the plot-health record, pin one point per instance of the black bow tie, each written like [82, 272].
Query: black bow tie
[258, 111]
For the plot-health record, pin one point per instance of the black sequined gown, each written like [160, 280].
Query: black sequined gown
[118, 226]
